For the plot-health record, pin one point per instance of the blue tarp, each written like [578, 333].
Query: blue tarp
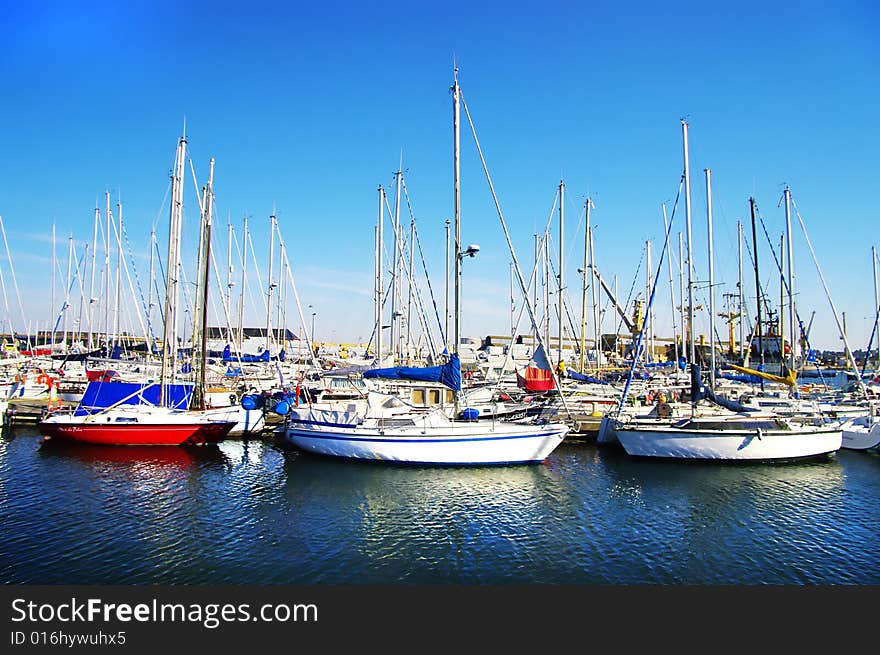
[101, 395]
[448, 374]
[574, 375]
[247, 359]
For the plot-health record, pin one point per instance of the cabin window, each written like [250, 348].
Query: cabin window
[418, 396]
[450, 397]
[434, 395]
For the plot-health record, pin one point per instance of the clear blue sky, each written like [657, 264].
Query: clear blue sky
[308, 107]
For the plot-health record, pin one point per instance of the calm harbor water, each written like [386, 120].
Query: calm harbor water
[250, 512]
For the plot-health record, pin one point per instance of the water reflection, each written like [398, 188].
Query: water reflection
[248, 512]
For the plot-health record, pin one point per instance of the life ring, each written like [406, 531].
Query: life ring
[42, 378]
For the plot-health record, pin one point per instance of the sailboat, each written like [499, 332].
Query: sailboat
[740, 433]
[153, 413]
[389, 430]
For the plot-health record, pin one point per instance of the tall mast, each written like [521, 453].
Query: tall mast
[585, 271]
[245, 236]
[150, 289]
[446, 305]
[107, 268]
[648, 326]
[67, 292]
[92, 299]
[791, 311]
[876, 300]
[229, 282]
[757, 284]
[271, 285]
[690, 258]
[52, 293]
[456, 190]
[559, 300]
[395, 274]
[200, 320]
[708, 173]
[118, 269]
[597, 334]
[169, 338]
[379, 243]
[671, 286]
[535, 302]
[685, 327]
[412, 241]
[739, 240]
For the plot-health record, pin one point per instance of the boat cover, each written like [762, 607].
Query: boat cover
[448, 374]
[101, 395]
[699, 391]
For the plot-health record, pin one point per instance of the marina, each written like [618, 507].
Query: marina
[494, 325]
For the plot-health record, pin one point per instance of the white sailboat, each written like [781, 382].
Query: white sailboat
[739, 434]
[396, 434]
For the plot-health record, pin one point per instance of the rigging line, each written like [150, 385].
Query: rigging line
[519, 276]
[631, 289]
[66, 304]
[137, 278]
[640, 341]
[861, 384]
[784, 282]
[422, 257]
[15, 283]
[131, 286]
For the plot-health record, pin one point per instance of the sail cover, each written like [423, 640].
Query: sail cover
[448, 374]
[101, 395]
[699, 391]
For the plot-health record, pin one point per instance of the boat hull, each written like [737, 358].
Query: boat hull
[728, 444]
[469, 444]
[135, 434]
[857, 435]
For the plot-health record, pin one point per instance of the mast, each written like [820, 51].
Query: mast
[535, 288]
[690, 258]
[118, 269]
[92, 299]
[791, 311]
[270, 285]
[446, 305]
[648, 326]
[107, 268]
[559, 300]
[52, 293]
[708, 173]
[876, 302]
[379, 243]
[244, 261]
[757, 285]
[150, 289]
[169, 338]
[412, 243]
[742, 343]
[70, 256]
[200, 320]
[395, 274]
[671, 287]
[597, 334]
[685, 327]
[229, 282]
[456, 98]
[584, 271]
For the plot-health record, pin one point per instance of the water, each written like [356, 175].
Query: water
[249, 512]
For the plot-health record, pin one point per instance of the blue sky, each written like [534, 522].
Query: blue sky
[308, 107]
